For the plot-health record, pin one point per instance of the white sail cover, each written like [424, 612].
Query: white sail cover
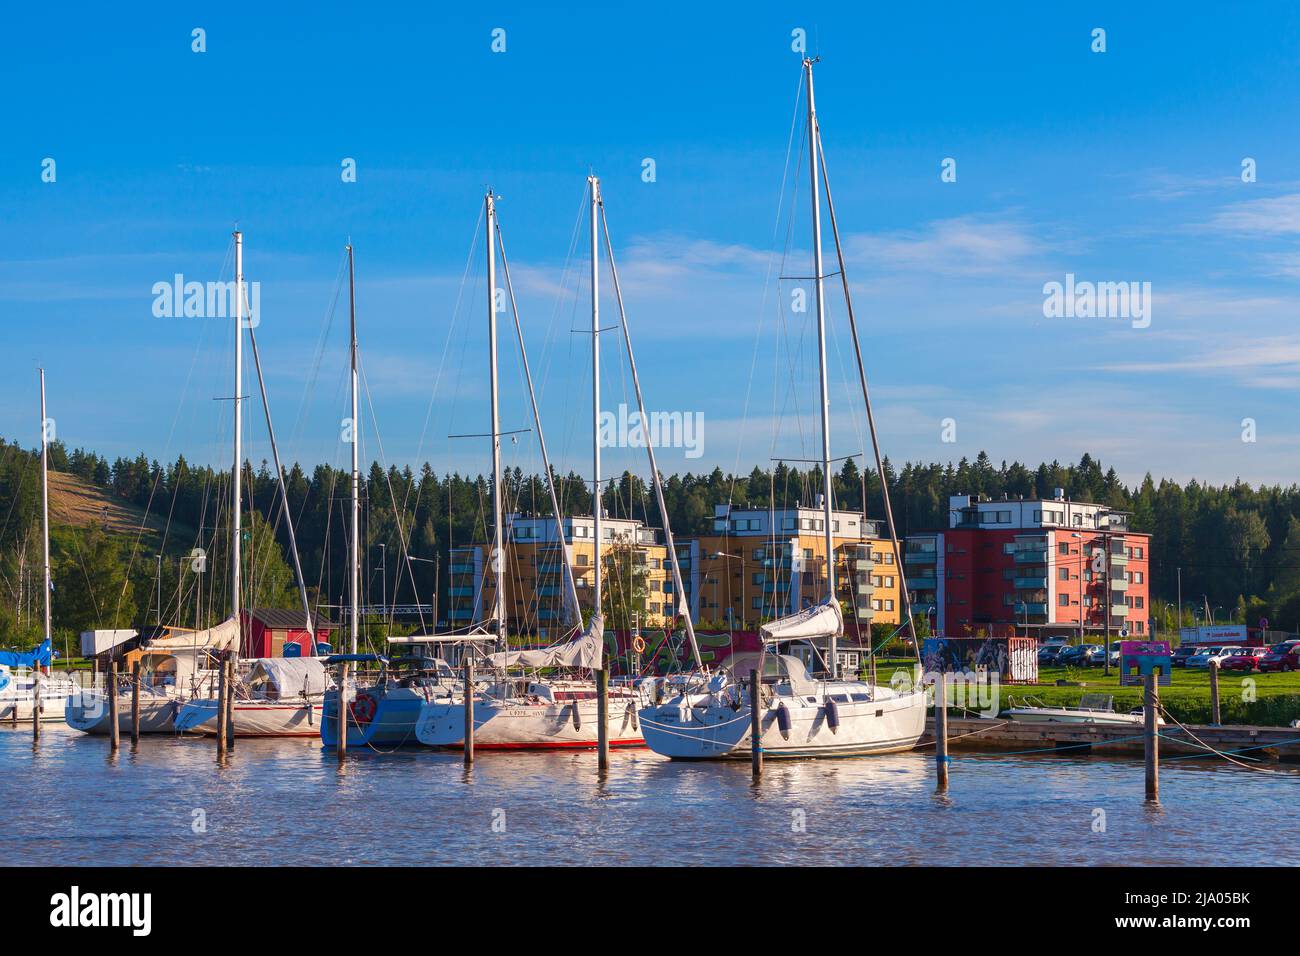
[291, 676]
[586, 651]
[820, 620]
[224, 635]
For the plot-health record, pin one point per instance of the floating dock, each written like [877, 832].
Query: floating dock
[1276, 743]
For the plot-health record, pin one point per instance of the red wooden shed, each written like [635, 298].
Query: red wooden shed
[268, 630]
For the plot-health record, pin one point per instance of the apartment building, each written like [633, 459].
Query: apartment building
[1042, 567]
[760, 564]
[534, 570]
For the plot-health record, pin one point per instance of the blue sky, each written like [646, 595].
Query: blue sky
[1116, 166]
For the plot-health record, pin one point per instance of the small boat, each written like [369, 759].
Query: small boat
[385, 712]
[274, 697]
[18, 693]
[170, 675]
[1092, 709]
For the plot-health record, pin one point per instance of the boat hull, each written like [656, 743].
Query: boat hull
[89, 713]
[396, 712]
[253, 718]
[716, 731]
[1050, 716]
[510, 725]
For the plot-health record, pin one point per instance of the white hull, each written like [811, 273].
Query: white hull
[89, 713]
[519, 725]
[254, 718]
[703, 727]
[18, 699]
[1051, 715]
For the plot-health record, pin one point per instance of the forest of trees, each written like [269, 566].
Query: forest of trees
[1238, 547]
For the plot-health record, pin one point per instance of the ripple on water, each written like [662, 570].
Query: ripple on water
[289, 802]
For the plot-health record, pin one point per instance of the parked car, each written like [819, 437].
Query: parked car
[1048, 653]
[1281, 657]
[1206, 654]
[1181, 653]
[1246, 659]
[1076, 655]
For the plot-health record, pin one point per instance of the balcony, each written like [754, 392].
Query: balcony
[1119, 583]
[1032, 583]
[1031, 609]
[921, 557]
[1119, 610]
[1031, 556]
[1118, 557]
[924, 582]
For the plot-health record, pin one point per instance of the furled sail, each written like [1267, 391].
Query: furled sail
[818, 621]
[219, 638]
[586, 651]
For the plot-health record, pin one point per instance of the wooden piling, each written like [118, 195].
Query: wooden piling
[602, 719]
[469, 711]
[941, 731]
[114, 732]
[1215, 717]
[222, 690]
[1152, 738]
[341, 718]
[36, 705]
[230, 702]
[756, 724]
[135, 705]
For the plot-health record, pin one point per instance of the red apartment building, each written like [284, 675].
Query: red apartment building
[1041, 568]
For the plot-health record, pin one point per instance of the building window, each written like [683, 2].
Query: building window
[889, 604]
[1063, 548]
[1064, 600]
[875, 604]
[1063, 574]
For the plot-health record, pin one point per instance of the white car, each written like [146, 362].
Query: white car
[1218, 655]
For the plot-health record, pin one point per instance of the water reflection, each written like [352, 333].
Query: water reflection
[292, 802]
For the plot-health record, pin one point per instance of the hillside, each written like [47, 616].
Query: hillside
[77, 503]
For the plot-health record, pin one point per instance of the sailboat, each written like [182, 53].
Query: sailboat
[273, 696]
[178, 665]
[803, 716]
[27, 690]
[531, 712]
[383, 712]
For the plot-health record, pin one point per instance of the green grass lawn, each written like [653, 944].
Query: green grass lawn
[1265, 699]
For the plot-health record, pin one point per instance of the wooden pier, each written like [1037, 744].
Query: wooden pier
[1276, 743]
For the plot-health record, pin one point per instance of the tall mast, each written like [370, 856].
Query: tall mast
[497, 553]
[354, 578]
[237, 471]
[673, 562]
[45, 506]
[813, 140]
[594, 184]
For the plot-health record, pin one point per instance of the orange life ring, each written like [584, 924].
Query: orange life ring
[638, 644]
[362, 708]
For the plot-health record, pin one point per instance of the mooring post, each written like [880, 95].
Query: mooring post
[36, 705]
[469, 711]
[341, 721]
[1152, 738]
[222, 690]
[602, 719]
[135, 705]
[114, 732]
[755, 724]
[230, 701]
[941, 730]
[1215, 717]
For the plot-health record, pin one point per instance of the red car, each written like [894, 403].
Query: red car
[1281, 657]
[1246, 659]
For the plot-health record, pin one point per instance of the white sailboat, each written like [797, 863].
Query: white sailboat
[532, 712]
[802, 716]
[27, 690]
[272, 697]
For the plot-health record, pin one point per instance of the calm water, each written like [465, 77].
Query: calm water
[288, 802]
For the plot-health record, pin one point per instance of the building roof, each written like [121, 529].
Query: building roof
[285, 618]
